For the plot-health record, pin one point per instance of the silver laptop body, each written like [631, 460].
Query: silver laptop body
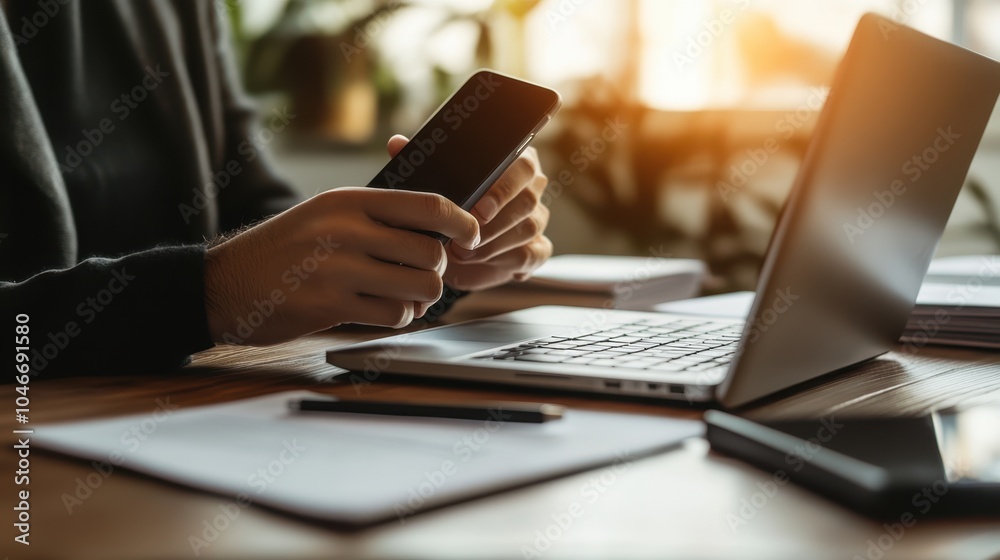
[887, 160]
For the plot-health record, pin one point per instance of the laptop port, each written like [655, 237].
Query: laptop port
[653, 386]
[613, 384]
[677, 389]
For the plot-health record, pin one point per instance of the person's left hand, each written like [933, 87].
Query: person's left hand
[512, 224]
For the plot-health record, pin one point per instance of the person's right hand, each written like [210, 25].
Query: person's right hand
[332, 260]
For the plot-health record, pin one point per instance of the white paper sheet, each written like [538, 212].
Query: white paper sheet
[357, 469]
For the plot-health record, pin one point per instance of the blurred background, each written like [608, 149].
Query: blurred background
[668, 104]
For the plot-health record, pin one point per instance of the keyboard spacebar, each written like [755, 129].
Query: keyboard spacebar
[545, 358]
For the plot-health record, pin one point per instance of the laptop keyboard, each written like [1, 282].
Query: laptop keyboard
[658, 345]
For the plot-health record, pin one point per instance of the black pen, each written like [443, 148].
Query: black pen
[499, 411]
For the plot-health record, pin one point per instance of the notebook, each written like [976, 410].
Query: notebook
[603, 281]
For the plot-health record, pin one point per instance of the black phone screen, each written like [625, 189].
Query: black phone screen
[956, 446]
[469, 138]
[947, 462]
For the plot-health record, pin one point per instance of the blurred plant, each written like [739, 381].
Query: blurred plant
[633, 186]
[991, 223]
[323, 54]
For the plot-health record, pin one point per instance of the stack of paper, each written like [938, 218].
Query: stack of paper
[959, 304]
[637, 283]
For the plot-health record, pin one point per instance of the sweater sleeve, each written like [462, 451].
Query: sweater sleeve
[142, 313]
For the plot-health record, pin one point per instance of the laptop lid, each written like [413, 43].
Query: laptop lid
[885, 164]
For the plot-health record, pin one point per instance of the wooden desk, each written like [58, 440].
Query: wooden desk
[679, 504]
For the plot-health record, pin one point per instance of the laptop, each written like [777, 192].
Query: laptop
[880, 176]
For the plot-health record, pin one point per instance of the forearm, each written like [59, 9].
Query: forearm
[142, 313]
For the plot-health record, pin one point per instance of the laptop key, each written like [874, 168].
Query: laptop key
[568, 353]
[625, 339]
[545, 358]
[592, 338]
[631, 348]
[607, 354]
[703, 367]
[671, 351]
[604, 362]
[667, 366]
[560, 345]
[533, 351]
[580, 360]
[591, 348]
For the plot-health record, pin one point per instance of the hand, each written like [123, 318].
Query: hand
[512, 223]
[332, 260]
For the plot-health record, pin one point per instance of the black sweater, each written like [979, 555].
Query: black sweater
[125, 143]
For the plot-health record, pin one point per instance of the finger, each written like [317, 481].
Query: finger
[396, 144]
[409, 248]
[525, 258]
[392, 281]
[517, 263]
[517, 177]
[422, 211]
[420, 309]
[513, 215]
[380, 312]
[521, 234]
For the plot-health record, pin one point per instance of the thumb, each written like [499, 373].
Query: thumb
[396, 144]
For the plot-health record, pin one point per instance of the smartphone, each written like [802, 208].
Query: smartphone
[943, 464]
[471, 139]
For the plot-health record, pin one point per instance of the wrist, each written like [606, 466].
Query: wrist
[215, 309]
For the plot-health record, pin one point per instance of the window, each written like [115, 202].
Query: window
[690, 54]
